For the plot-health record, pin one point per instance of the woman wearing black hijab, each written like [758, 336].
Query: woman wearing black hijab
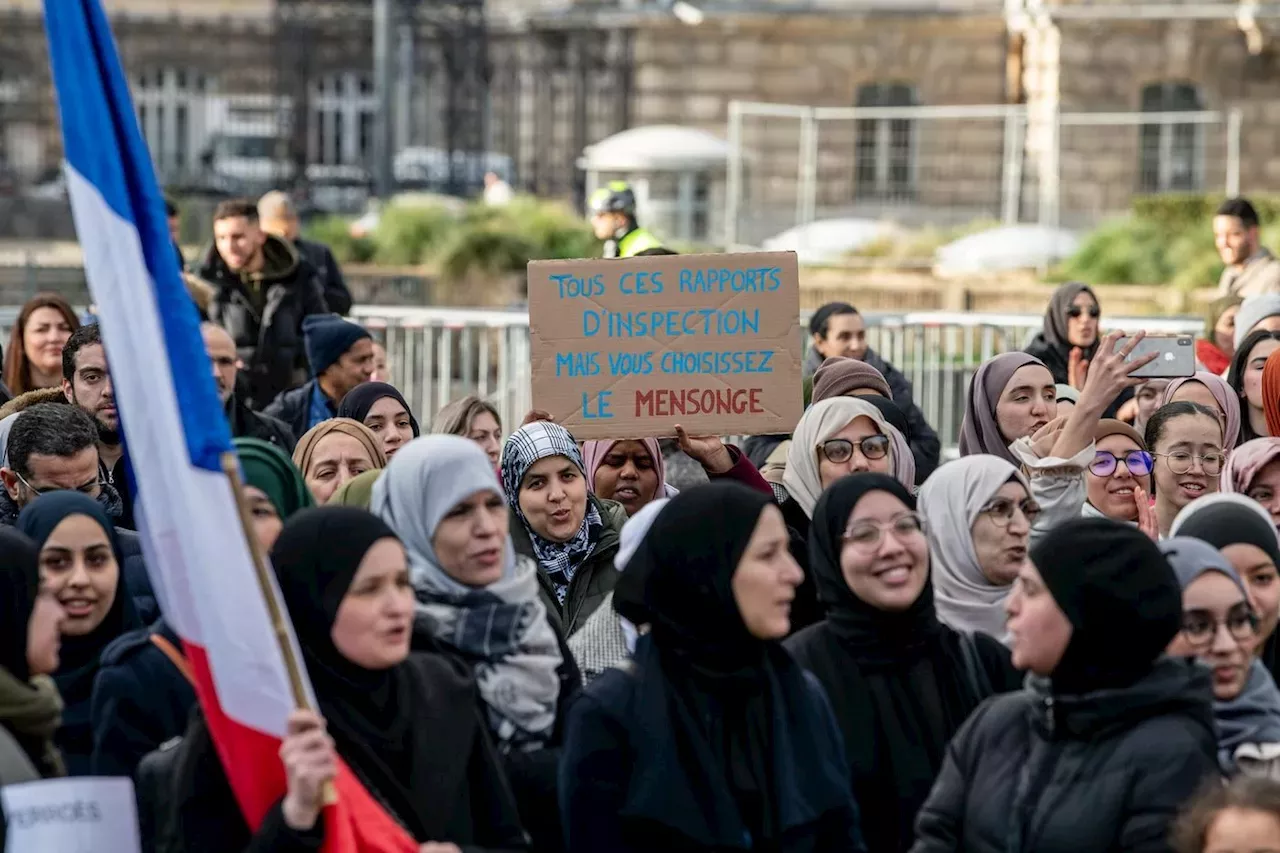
[383, 410]
[30, 708]
[714, 739]
[900, 682]
[1109, 738]
[80, 566]
[407, 724]
[1071, 322]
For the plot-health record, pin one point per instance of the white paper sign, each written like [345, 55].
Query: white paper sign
[86, 815]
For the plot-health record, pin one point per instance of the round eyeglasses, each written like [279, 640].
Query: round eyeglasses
[1000, 510]
[1200, 627]
[1181, 462]
[840, 450]
[1137, 462]
[867, 535]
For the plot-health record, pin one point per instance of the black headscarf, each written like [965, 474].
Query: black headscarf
[726, 722]
[1230, 523]
[385, 723]
[1051, 345]
[360, 399]
[1119, 594]
[79, 656]
[19, 585]
[897, 681]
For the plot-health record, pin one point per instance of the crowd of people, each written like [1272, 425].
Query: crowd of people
[833, 640]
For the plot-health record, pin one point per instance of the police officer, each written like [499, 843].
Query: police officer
[613, 216]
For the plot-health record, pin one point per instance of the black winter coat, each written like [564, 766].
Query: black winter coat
[293, 408]
[336, 294]
[1105, 771]
[593, 580]
[140, 700]
[603, 744]
[263, 313]
[246, 423]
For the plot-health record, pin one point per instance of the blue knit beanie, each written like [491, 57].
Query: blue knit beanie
[327, 337]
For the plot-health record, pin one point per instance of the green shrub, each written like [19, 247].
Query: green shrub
[411, 235]
[335, 232]
[1181, 211]
[484, 252]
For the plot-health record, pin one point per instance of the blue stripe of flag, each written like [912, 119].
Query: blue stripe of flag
[102, 141]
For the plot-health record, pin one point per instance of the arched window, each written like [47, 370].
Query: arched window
[343, 111]
[172, 106]
[1171, 158]
[884, 153]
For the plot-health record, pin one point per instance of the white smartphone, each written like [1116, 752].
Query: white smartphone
[1176, 356]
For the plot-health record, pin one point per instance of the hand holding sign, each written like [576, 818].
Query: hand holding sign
[708, 450]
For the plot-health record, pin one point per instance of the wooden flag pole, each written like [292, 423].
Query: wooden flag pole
[279, 623]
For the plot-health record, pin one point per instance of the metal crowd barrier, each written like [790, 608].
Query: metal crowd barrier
[436, 355]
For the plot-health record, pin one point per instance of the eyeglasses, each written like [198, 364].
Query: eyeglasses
[839, 450]
[867, 535]
[1075, 311]
[1000, 510]
[86, 489]
[1180, 462]
[1136, 462]
[1199, 627]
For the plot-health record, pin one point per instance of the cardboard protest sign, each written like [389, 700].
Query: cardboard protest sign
[81, 815]
[630, 348]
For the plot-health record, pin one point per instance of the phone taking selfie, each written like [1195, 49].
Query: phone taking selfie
[1175, 356]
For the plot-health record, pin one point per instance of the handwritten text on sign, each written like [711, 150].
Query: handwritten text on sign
[630, 348]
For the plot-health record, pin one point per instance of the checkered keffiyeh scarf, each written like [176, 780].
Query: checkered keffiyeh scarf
[525, 446]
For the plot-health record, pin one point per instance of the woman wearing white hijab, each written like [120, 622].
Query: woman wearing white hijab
[978, 513]
[477, 599]
[607, 640]
[866, 442]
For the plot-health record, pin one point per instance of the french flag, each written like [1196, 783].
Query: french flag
[196, 551]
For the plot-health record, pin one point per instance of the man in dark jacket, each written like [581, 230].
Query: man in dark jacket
[263, 292]
[54, 446]
[280, 217]
[244, 421]
[837, 329]
[341, 357]
[86, 382]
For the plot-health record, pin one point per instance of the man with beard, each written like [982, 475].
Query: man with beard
[1251, 269]
[86, 382]
[244, 421]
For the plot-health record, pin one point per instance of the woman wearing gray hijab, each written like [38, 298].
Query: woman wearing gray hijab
[6, 426]
[480, 601]
[1220, 629]
[978, 514]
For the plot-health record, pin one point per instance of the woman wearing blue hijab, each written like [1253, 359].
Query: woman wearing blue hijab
[80, 565]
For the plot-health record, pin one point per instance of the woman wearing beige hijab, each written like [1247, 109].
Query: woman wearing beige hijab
[334, 452]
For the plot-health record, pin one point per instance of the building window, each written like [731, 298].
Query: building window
[172, 106]
[343, 110]
[1172, 152]
[885, 147]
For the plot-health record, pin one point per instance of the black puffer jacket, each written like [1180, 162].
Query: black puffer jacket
[263, 313]
[1106, 771]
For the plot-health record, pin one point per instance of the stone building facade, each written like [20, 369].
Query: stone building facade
[961, 111]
